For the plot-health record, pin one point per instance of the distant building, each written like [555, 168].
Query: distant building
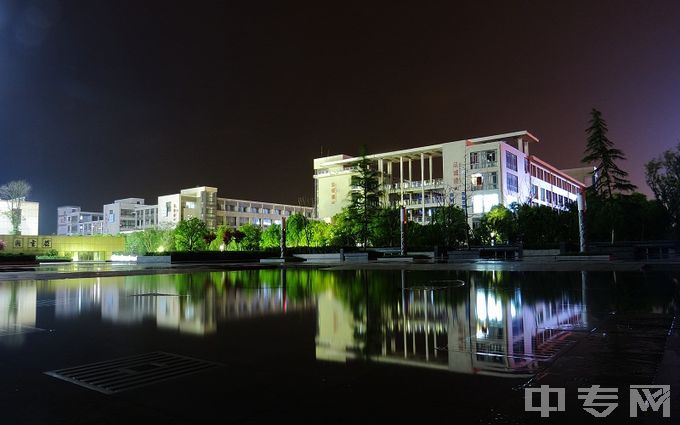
[475, 174]
[132, 214]
[129, 215]
[202, 202]
[30, 212]
[71, 220]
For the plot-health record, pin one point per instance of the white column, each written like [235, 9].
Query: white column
[422, 186]
[401, 178]
[430, 168]
[581, 205]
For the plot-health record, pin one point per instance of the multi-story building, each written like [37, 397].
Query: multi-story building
[202, 202]
[132, 214]
[71, 220]
[122, 216]
[30, 212]
[475, 174]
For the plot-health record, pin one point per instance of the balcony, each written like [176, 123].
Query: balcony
[486, 186]
[483, 164]
[415, 185]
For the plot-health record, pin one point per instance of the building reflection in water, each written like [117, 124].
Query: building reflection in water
[189, 303]
[17, 311]
[473, 328]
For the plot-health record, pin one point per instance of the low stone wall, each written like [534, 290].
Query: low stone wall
[540, 252]
[153, 259]
[335, 256]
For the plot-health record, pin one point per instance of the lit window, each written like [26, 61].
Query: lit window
[513, 183]
[511, 160]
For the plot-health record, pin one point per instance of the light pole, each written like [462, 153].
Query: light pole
[581, 203]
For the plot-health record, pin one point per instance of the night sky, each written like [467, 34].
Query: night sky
[102, 100]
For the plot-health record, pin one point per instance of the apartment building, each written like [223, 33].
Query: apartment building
[475, 174]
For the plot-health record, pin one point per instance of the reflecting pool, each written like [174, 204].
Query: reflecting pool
[308, 344]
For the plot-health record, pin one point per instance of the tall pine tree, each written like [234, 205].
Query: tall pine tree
[365, 197]
[601, 152]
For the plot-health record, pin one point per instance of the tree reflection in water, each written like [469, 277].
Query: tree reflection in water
[496, 322]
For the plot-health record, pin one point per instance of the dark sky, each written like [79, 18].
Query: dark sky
[101, 100]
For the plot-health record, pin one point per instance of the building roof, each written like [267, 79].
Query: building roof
[533, 158]
[434, 150]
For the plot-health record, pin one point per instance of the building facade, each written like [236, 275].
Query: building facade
[474, 174]
[71, 221]
[30, 212]
[202, 202]
[132, 214]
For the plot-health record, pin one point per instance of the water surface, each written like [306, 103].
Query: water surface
[307, 345]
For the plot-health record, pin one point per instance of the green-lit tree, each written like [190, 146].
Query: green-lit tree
[663, 177]
[251, 237]
[498, 225]
[364, 197]
[271, 237]
[190, 235]
[343, 230]
[296, 230]
[321, 233]
[15, 192]
[144, 241]
[601, 152]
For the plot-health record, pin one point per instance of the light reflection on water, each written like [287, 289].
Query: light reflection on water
[495, 323]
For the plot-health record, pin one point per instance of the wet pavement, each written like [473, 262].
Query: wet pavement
[305, 345]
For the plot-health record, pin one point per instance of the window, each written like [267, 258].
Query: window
[513, 183]
[534, 191]
[526, 165]
[484, 203]
[474, 159]
[168, 208]
[511, 160]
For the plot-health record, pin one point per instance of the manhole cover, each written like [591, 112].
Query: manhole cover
[127, 373]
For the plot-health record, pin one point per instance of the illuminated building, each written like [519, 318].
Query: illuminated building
[132, 214]
[474, 174]
[71, 220]
[202, 202]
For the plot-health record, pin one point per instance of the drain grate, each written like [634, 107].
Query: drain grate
[17, 330]
[127, 373]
